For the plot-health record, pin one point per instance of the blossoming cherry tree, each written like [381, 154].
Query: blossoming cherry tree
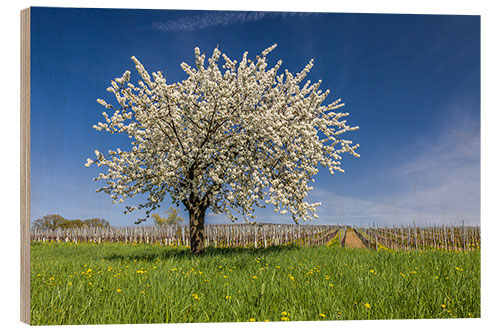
[228, 138]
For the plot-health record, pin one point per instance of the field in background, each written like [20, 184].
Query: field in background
[451, 238]
[92, 283]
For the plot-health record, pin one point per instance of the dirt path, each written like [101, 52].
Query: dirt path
[353, 241]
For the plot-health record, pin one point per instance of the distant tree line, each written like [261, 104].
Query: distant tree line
[55, 221]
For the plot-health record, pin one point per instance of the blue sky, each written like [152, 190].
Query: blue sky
[410, 82]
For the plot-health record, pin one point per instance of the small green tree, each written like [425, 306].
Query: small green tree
[173, 218]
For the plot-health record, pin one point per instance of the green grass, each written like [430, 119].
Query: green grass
[118, 283]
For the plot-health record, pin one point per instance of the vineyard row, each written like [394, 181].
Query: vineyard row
[450, 238]
[234, 235]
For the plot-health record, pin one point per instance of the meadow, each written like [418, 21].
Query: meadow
[115, 283]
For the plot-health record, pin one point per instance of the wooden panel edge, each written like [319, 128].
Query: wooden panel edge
[25, 164]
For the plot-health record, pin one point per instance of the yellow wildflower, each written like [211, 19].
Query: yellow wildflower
[368, 306]
[118, 290]
[251, 319]
[322, 315]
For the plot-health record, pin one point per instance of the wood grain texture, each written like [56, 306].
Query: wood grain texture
[25, 164]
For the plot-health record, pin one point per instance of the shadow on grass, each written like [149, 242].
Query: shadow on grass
[183, 253]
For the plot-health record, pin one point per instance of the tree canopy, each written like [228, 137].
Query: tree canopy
[227, 138]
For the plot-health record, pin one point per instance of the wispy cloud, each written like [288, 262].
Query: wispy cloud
[218, 19]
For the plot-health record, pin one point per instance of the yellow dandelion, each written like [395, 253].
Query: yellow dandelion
[285, 319]
[402, 274]
[70, 283]
[443, 306]
[251, 319]
[118, 290]
[322, 315]
[228, 297]
[196, 297]
[368, 306]
[339, 312]
[372, 271]
[225, 276]
[266, 320]
[254, 277]
[331, 285]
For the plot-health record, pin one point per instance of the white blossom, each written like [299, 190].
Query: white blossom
[229, 141]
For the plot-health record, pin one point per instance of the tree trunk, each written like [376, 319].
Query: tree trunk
[197, 229]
